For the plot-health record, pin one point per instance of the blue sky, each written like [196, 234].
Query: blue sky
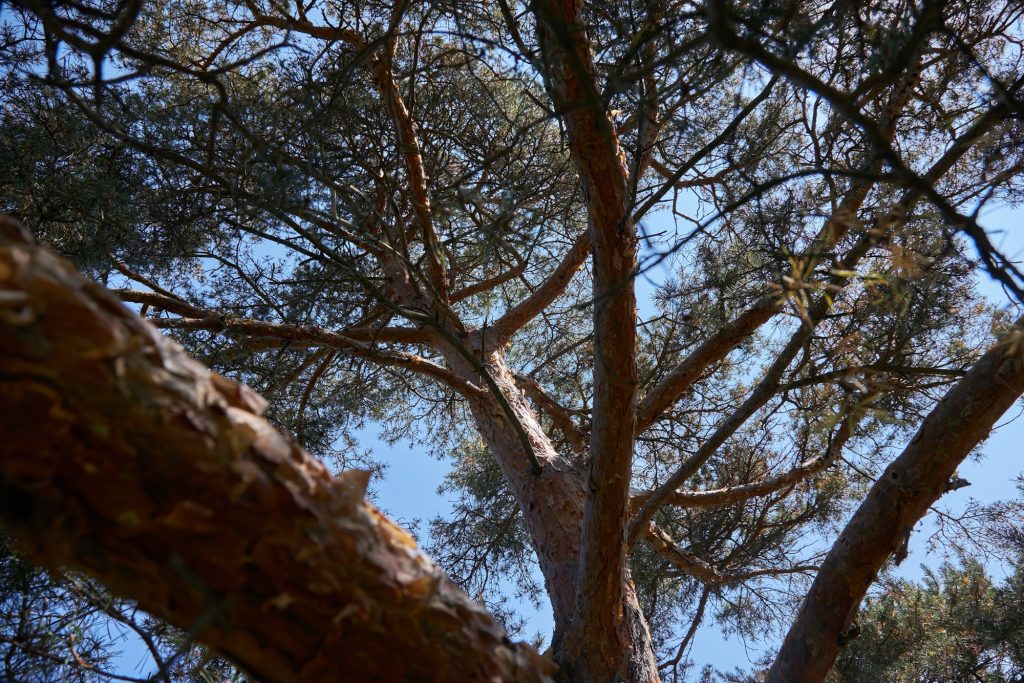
[409, 488]
[409, 491]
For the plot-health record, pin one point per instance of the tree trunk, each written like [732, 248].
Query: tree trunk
[552, 502]
[123, 457]
[602, 641]
[552, 505]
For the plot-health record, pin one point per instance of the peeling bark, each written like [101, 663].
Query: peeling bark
[123, 457]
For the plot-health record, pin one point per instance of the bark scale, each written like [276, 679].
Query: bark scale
[123, 457]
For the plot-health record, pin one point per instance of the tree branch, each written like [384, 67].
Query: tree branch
[361, 333]
[409, 146]
[679, 380]
[549, 290]
[488, 284]
[762, 487]
[123, 457]
[405, 130]
[558, 414]
[662, 543]
[766, 387]
[318, 336]
[898, 499]
[682, 377]
[165, 302]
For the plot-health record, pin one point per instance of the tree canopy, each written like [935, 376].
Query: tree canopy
[685, 293]
[958, 624]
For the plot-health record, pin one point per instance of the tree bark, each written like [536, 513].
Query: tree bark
[552, 505]
[900, 497]
[551, 502]
[123, 457]
[601, 643]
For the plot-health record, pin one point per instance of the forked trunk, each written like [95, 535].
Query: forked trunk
[552, 505]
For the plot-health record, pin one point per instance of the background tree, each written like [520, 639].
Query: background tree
[956, 625]
[383, 211]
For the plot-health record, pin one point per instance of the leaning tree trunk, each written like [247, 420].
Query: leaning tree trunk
[123, 457]
[896, 502]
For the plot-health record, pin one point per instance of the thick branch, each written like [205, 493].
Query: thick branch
[598, 636]
[358, 333]
[663, 544]
[164, 302]
[574, 259]
[121, 456]
[683, 376]
[549, 290]
[900, 497]
[405, 130]
[679, 380]
[353, 38]
[132, 275]
[409, 146]
[488, 284]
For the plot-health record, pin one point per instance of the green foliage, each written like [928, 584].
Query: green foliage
[255, 172]
[957, 625]
[62, 626]
[483, 543]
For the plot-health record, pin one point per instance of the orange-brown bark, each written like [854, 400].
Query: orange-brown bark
[899, 498]
[121, 456]
[601, 642]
